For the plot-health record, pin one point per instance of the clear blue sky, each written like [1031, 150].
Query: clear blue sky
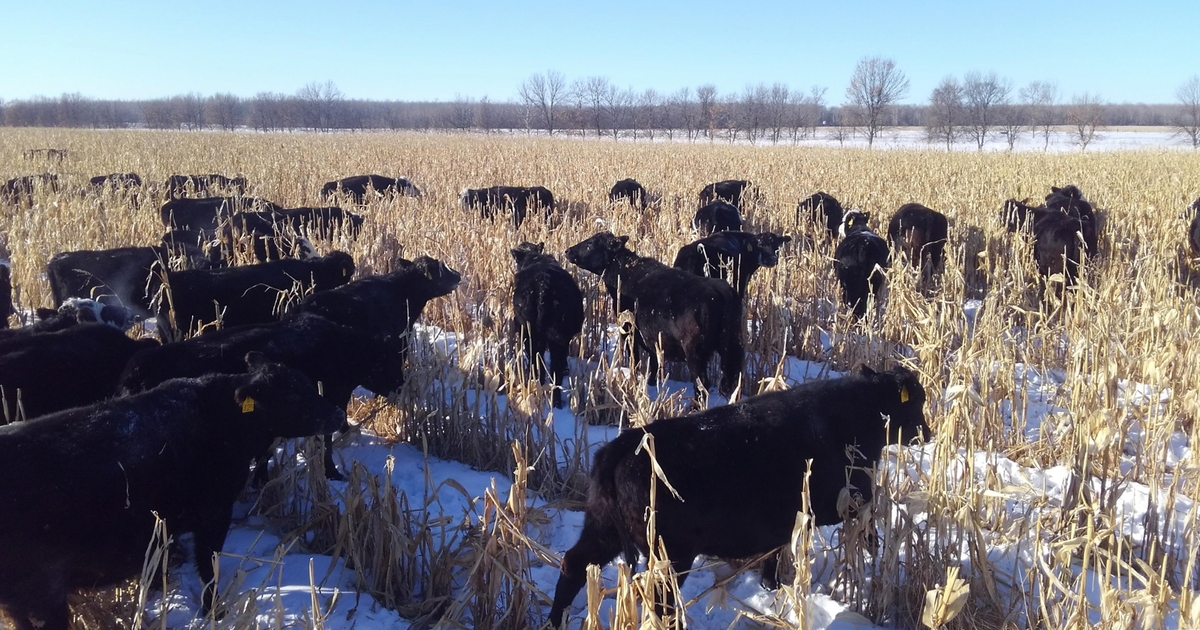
[130, 49]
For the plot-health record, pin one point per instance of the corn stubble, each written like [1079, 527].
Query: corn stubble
[960, 542]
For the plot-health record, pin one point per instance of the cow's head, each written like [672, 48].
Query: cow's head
[525, 252]
[904, 403]
[767, 247]
[442, 279]
[282, 402]
[596, 253]
[854, 221]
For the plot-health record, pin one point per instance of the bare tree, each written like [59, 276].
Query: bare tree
[590, 96]
[706, 96]
[875, 86]
[1040, 97]
[462, 112]
[982, 96]
[543, 94]
[816, 103]
[647, 113]
[617, 104]
[225, 111]
[189, 109]
[1012, 118]
[752, 114]
[687, 111]
[1086, 115]
[159, 115]
[944, 118]
[777, 109]
[1187, 121]
[319, 104]
[485, 118]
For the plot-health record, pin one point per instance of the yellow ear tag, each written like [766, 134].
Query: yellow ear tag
[248, 404]
[749, 247]
[903, 395]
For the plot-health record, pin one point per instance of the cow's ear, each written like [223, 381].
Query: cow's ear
[1055, 189]
[517, 254]
[785, 239]
[866, 370]
[622, 240]
[247, 397]
[255, 360]
[541, 247]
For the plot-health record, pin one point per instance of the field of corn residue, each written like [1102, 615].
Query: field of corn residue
[1060, 490]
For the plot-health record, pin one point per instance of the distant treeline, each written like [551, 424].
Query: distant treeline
[762, 117]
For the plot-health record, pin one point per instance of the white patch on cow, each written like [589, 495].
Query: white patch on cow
[462, 196]
[305, 249]
[89, 310]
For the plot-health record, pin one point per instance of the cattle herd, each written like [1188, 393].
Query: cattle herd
[172, 426]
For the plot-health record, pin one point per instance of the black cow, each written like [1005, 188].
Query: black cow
[116, 181]
[822, 209]
[207, 214]
[1194, 228]
[356, 187]
[1057, 234]
[1069, 200]
[547, 311]
[734, 191]
[6, 303]
[739, 472]
[121, 276]
[82, 486]
[859, 261]
[338, 357]
[741, 253]
[76, 366]
[629, 191]
[921, 234]
[250, 294]
[177, 186]
[691, 316]
[276, 235]
[20, 189]
[517, 199]
[718, 216]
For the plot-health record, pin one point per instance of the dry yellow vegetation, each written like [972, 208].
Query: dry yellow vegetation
[1115, 364]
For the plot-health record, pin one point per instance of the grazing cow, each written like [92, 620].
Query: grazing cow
[1018, 215]
[1194, 228]
[734, 191]
[75, 366]
[116, 181]
[736, 472]
[690, 316]
[82, 487]
[821, 208]
[718, 216]
[207, 214]
[250, 294]
[6, 303]
[356, 187]
[518, 199]
[921, 234]
[276, 234]
[338, 357]
[859, 261]
[20, 190]
[547, 312]
[740, 252]
[629, 191]
[176, 186]
[123, 276]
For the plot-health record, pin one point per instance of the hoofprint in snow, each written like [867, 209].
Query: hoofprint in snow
[287, 583]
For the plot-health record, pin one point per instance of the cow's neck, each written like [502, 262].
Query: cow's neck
[622, 262]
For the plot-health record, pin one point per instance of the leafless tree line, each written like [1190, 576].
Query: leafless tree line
[972, 110]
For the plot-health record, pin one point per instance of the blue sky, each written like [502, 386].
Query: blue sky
[1123, 51]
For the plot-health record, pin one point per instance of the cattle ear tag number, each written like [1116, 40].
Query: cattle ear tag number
[903, 395]
[248, 405]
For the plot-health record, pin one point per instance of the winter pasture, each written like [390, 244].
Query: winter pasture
[1060, 490]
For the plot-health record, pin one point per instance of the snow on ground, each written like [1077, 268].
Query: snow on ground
[286, 592]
